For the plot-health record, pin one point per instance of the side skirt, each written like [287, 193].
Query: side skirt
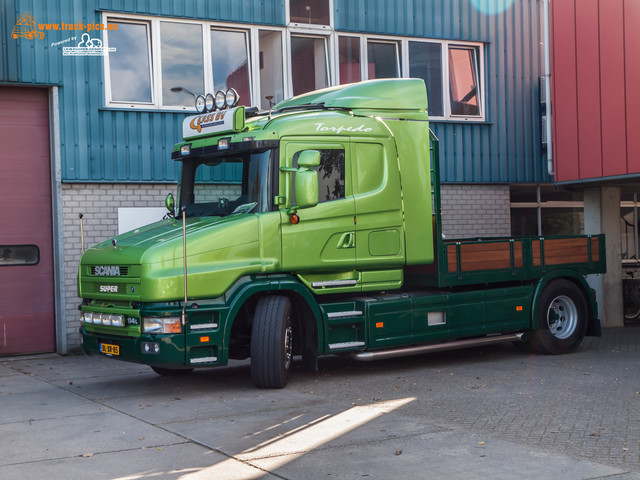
[438, 347]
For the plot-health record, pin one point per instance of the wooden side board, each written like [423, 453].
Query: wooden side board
[484, 256]
[564, 250]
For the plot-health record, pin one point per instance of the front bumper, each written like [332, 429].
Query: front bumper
[171, 352]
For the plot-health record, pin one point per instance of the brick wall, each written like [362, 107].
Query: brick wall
[475, 211]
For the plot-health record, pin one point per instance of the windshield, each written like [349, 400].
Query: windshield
[204, 193]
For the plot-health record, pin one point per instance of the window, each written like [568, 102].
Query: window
[308, 64]
[331, 181]
[383, 60]
[182, 62]
[13, 255]
[166, 63]
[630, 227]
[425, 61]
[310, 12]
[230, 60]
[349, 62]
[130, 64]
[454, 92]
[270, 64]
[545, 210]
[200, 192]
[463, 81]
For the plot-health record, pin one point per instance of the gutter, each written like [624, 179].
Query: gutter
[547, 85]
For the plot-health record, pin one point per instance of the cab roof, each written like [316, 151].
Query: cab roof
[383, 94]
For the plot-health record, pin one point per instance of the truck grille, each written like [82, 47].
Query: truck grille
[123, 269]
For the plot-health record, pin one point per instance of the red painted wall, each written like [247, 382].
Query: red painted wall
[595, 98]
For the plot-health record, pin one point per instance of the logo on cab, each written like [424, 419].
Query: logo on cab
[107, 271]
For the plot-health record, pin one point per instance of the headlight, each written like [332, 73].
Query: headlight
[161, 325]
[102, 319]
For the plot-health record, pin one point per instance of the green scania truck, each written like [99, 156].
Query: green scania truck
[331, 244]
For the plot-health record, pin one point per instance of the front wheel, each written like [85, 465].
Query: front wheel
[562, 318]
[272, 342]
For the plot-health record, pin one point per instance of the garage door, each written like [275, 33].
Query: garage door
[26, 267]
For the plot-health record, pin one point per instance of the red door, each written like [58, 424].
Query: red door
[26, 269]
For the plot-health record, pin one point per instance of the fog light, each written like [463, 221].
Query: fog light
[150, 347]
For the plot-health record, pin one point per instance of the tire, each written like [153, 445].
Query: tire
[562, 318]
[172, 372]
[631, 313]
[272, 342]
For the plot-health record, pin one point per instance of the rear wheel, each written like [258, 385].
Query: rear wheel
[631, 313]
[172, 372]
[562, 318]
[272, 342]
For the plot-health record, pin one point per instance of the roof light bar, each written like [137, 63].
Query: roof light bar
[221, 100]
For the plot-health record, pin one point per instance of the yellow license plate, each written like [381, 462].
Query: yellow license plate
[108, 349]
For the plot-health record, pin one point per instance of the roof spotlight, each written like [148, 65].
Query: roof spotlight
[220, 99]
[209, 103]
[231, 98]
[200, 104]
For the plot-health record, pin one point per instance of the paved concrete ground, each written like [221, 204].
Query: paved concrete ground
[490, 412]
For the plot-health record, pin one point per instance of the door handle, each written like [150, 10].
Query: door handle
[347, 240]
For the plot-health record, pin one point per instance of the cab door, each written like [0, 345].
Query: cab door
[323, 241]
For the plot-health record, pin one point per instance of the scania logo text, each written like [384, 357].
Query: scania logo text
[110, 271]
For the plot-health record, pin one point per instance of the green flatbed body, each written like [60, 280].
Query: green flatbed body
[365, 269]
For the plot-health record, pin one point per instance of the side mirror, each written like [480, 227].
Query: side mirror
[170, 204]
[305, 187]
[309, 159]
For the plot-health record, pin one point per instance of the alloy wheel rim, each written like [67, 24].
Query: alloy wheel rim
[562, 317]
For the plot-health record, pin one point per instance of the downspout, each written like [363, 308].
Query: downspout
[547, 85]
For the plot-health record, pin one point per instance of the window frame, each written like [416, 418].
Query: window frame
[541, 203]
[328, 57]
[340, 35]
[384, 41]
[447, 46]
[207, 71]
[255, 61]
[107, 67]
[248, 48]
[152, 24]
[331, 61]
[309, 26]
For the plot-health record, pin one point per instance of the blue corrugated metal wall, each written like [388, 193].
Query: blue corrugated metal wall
[507, 147]
[107, 145]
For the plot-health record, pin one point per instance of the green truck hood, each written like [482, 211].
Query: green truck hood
[219, 251]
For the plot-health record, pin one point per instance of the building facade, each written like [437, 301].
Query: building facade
[596, 149]
[95, 92]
